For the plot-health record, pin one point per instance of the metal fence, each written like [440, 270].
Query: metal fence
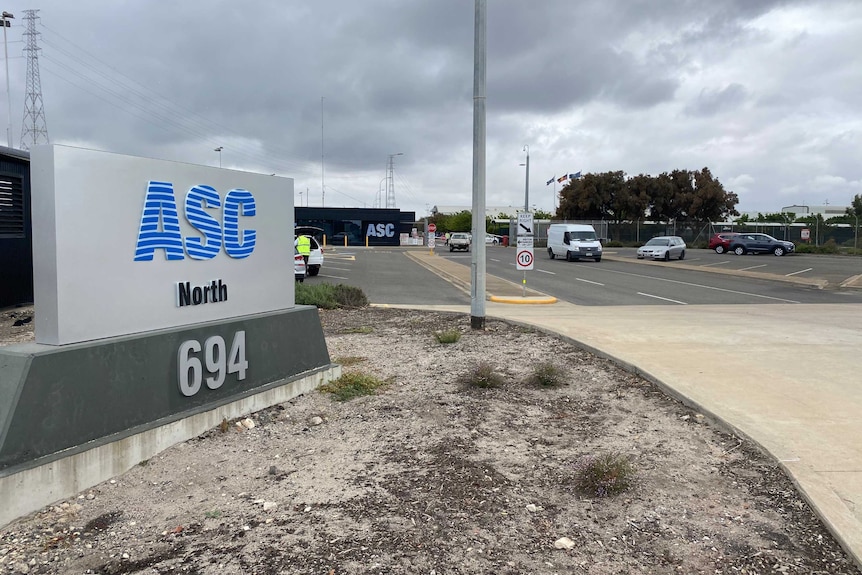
[694, 233]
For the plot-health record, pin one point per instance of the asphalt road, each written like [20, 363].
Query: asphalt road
[387, 275]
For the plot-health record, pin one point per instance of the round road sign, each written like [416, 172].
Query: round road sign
[432, 228]
[525, 258]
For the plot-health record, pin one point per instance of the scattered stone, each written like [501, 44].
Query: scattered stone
[316, 420]
[533, 508]
[269, 505]
[564, 543]
[247, 423]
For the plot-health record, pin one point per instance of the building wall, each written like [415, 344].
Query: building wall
[16, 229]
[381, 227]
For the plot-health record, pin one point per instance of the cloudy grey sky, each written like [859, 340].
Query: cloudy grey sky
[766, 93]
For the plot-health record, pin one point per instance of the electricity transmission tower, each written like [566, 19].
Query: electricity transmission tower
[390, 183]
[34, 131]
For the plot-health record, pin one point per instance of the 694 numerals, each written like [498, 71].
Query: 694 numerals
[218, 361]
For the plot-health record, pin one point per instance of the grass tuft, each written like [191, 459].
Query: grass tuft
[603, 475]
[350, 360]
[449, 336]
[363, 329]
[352, 384]
[546, 374]
[482, 375]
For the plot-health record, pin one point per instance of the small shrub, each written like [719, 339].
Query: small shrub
[224, 425]
[449, 336]
[328, 296]
[350, 360]
[612, 244]
[215, 514]
[546, 374]
[482, 375]
[603, 475]
[350, 296]
[352, 384]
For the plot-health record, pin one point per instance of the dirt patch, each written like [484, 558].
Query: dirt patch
[431, 476]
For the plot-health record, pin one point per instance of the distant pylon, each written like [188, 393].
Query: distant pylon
[34, 131]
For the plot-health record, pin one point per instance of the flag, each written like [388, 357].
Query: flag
[575, 176]
[563, 177]
[551, 181]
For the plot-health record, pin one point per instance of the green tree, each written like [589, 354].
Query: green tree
[542, 215]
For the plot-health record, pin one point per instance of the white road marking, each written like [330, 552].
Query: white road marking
[799, 272]
[662, 298]
[751, 268]
[716, 264]
[545, 272]
[333, 277]
[589, 282]
[701, 286]
[339, 269]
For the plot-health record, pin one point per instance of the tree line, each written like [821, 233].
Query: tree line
[678, 195]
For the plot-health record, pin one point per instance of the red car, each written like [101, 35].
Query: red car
[721, 242]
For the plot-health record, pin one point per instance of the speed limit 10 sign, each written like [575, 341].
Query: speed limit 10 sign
[524, 253]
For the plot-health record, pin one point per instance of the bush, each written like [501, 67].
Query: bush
[352, 384]
[603, 475]
[450, 336]
[482, 375]
[328, 296]
[546, 374]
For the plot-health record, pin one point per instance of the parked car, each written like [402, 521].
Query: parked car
[720, 242]
[491, 240]
[574, 241]
[315, 256]
[459, 241]
[760, 244]
[299, 269]
[663, 248]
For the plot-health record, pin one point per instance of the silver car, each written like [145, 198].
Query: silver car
[663, 248]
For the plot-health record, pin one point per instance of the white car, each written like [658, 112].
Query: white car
[663, 248]
[491, 240]
[299, 268]
[315, 256]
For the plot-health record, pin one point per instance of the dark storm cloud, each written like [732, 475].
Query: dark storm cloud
[600, 83]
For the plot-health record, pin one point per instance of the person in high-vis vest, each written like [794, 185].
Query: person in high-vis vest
[303, 246]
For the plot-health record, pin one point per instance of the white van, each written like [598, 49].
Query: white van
[573, 241]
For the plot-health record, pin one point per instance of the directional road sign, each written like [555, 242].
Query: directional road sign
[525, 224]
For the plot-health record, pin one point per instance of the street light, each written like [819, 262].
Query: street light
[527, 182]
[6, 24]
[219, 149]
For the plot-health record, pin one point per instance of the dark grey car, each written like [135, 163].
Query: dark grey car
[760, 244]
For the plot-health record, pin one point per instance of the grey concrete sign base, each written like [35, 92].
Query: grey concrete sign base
[73, 416]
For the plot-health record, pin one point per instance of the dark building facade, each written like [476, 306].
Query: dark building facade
[16, 229]
[380, 227]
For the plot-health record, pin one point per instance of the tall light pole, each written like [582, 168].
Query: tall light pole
[527, 182]
[6, 24]
[219, 149]
[478, 260]
[390, 187]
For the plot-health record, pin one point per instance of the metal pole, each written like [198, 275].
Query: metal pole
[527, 182]
[477, 269]
[8, 96]
[322, 184]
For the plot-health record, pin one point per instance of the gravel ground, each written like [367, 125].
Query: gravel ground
[433, 476]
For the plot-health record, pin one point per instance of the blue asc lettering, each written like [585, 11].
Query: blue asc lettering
[380, 230]
[160, 226]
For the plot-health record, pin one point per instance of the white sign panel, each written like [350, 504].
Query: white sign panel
[524, 254]
[525, 224]
[125, 245]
